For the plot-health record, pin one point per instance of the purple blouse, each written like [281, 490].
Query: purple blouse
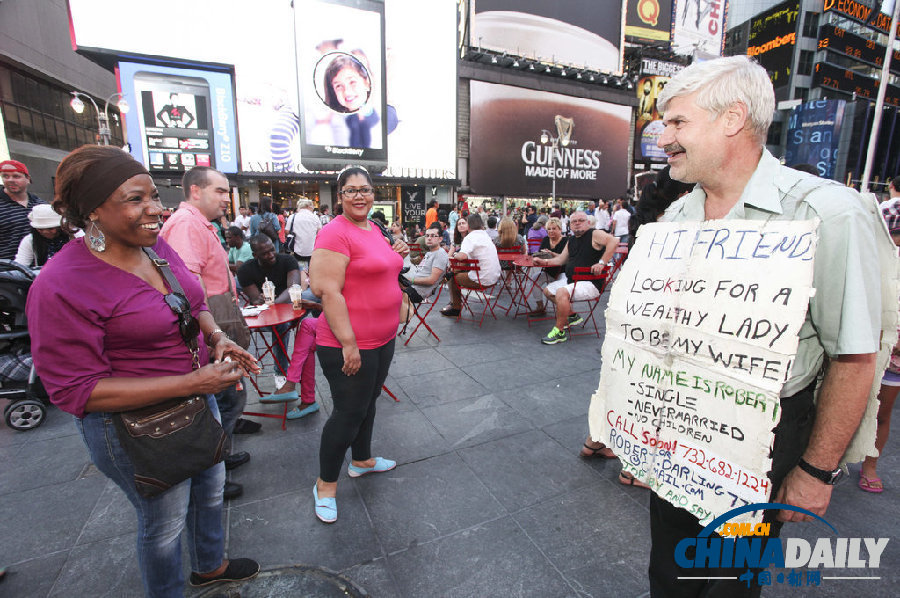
[89, 320]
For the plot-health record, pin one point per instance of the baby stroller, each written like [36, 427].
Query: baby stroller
[18, 381]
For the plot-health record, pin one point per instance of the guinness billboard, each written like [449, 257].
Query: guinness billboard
[521, 140]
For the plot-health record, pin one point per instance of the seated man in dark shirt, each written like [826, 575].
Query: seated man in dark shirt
[280, 268]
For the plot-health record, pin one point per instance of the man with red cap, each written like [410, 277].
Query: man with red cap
[15, 204]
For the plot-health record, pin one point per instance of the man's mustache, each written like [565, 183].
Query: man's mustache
[672, 148]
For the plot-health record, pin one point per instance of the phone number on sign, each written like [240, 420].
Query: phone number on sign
[724, 469]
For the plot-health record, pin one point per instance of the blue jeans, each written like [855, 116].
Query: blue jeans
[161, 519]
[231, 403]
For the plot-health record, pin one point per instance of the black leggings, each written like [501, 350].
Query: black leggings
[353, 397]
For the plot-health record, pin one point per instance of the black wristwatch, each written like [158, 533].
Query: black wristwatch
[830, 477]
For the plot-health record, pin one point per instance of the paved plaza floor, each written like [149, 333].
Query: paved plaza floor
[489, 497]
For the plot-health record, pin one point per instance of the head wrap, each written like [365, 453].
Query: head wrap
[100, 179]
[14, 166]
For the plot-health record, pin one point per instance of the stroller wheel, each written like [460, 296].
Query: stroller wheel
[25, 414]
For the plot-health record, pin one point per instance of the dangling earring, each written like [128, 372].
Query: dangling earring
[96, 238]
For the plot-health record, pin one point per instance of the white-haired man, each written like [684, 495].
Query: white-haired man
[305, 226]
[716, 115]
[587, 248]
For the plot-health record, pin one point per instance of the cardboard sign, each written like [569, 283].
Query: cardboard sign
[701, 332]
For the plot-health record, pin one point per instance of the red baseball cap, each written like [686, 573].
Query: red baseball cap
[14, 166]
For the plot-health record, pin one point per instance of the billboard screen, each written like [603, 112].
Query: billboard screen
[267, 92]
[181, 118]
[699, 26]
[814, 130]
[648, 124]
[341, 70]
[576, 32]
[836, 39]
[507, 156]
[649, 20]
[773, 35]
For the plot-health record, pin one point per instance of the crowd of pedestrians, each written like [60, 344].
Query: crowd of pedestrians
[122, 313]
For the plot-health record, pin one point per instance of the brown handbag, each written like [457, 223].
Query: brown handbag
[227, 314]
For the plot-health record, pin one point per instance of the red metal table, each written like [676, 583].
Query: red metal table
[266, 321]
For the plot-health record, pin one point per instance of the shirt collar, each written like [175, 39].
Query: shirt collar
[762, 192]
[196, 213]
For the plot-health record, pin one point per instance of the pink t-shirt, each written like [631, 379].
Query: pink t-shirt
[194, 237]
[370, 288]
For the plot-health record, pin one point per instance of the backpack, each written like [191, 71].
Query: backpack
[291, 236]
[862, 443]
[267, 228]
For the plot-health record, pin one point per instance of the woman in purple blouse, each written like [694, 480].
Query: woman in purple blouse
[105, 339]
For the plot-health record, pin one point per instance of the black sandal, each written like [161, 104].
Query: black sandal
[597, 452]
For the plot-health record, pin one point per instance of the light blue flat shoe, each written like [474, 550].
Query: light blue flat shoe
[285, 397]
[380, 465]
[297, 413]
[326, 508]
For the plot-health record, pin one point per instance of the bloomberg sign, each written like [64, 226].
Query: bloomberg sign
[773, 36]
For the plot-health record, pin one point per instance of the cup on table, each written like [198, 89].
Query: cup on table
[296, 294]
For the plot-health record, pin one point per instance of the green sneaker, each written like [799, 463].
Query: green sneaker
[555, 336]
[575, 320]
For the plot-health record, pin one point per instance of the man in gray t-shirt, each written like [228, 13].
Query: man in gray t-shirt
[430, 271]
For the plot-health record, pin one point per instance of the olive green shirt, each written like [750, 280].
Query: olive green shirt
[844, 315]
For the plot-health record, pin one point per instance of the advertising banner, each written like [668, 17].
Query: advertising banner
[649, 20]
[413, 204]
[773, 35]
[695, 357]
[814, 130]
[648, 125]
[180, 118]
[580, 33]
[341, 69]
[508, 157]
[267, 91]
[699, 26]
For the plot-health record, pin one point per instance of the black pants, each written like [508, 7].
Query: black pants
[353, 397]
[670, 524]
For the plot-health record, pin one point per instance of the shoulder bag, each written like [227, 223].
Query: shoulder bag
[227, 314]
[179, 438]
[291, 238]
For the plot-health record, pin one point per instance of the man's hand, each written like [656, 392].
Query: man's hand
[802, 490]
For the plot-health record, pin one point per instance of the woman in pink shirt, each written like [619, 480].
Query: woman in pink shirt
[354, 270]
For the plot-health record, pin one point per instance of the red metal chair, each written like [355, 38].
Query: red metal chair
[583, 275]
[508, 282]
[481, 291]
[617, 260]
[534, 245]
[430, 301]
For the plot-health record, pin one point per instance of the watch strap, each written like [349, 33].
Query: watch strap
[829, 477]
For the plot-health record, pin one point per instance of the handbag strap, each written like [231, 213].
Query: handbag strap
[163, 266]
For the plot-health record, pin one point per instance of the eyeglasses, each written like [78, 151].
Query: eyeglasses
[350, 191]
[187, 323]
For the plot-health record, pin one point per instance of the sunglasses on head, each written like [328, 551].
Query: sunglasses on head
[187, 323]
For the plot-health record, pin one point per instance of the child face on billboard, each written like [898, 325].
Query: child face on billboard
[350, 88]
